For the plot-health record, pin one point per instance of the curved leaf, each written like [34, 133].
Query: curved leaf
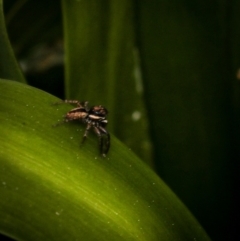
[9, 68]
[189, 79]
[52, 189]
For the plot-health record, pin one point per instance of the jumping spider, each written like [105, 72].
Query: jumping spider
[94, 117]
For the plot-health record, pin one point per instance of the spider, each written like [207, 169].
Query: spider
[94, 117]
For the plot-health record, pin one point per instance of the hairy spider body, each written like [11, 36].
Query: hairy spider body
[94, 117]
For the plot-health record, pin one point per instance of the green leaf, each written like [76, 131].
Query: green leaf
[53, 189]
[9, 68]
[190, 79]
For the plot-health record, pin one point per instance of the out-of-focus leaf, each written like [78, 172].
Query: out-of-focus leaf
[51, 189]
[9, 68]
[102, 66]
[188, 84]
[32, 24]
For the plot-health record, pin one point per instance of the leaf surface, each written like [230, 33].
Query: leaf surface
[53, 189]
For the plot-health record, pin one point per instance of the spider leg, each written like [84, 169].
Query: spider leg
[85, 104]
[107, 144]
[100, 139]
[76, 102]
[86, 133]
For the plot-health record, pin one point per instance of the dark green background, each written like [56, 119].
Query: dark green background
[189, 56]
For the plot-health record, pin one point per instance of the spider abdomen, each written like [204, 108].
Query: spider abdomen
[76, 115]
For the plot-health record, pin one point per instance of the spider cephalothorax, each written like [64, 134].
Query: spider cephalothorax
[94, 117]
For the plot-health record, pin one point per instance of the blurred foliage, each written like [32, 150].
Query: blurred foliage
[8, 64]
[187, 53]
[191, 77]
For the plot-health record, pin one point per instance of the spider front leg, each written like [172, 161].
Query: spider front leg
[107, 144]
[100, 140]
[100, 131]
